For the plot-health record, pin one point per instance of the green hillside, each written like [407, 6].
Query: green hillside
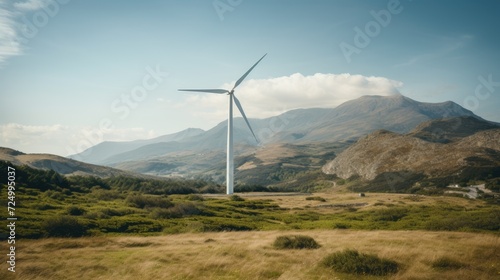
[50, 205]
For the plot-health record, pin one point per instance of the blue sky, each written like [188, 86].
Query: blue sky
[77, 72]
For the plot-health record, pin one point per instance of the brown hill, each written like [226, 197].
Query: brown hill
[460, 147]
[450, 129]
[59, 164]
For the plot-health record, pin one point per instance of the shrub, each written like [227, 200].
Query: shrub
[235, 197]
[75, 211]
[212, 189]
[390, 215]
[317, 198]
[54, 195]
[445, 263]
[106, 195]
[178, 211]
[116, 211]
[224, 226]
[129, 224]
[63, 226]
[295, 242]
[341, 226]
[351, 261]
[44, 206]
[144, 201]
[195, 197]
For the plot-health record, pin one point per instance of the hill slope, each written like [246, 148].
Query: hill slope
[470, 146]
[59, 164]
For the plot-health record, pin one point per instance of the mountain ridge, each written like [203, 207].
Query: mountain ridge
[98, 153]
[348, 121]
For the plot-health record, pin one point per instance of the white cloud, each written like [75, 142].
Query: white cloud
[269, 97]
[32, 138]
[12, 37]
[9, 43]
[63, 140]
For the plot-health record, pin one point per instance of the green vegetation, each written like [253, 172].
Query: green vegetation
[143, 201]
[78, 206]
[235, 197]
[295, 242]
[317, 198]
[137, 213]
[493, 185]
[63, 226]
[351, 261]
[75, 211]
[49, 180]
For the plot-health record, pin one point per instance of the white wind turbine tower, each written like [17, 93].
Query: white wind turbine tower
[229, 163]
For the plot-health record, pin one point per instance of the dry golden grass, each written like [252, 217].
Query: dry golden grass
[298, 200]
[249, 255]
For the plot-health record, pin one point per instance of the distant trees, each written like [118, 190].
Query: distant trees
[36, 178]
[87, 182]
[45, 180]
[158, 186]
[493, 185]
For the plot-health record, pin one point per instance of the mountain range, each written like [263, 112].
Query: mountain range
[194, 151]
[365, 137]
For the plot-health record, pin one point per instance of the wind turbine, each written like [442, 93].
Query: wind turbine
[229, 160]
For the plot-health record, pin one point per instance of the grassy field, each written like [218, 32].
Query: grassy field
[104, 212]
[250, 255]
[221, 237]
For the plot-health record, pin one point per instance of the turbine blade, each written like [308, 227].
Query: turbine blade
[238, 82]
[238, 104]
[220, 91]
